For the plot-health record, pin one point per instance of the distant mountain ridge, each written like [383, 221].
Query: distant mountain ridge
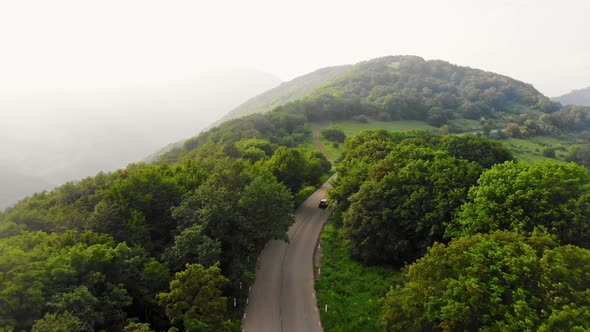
[576, 97]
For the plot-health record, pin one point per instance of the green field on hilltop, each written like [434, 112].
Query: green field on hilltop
[528, 150]
[351, 128]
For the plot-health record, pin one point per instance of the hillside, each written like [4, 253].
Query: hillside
[410, 88]
[405, 88]
[576, 97]
[265, 102]
[392, 88]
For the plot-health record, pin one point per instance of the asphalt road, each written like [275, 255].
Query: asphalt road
[283, 295]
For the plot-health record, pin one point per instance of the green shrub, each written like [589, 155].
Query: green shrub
[333, 134]
[549, 152]
[303, 194]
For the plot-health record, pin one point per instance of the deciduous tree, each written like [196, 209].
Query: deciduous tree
[394, 219]
[520, 197]
[195, 301]
[493, 282]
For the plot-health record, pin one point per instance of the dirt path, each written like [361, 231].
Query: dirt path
[316, 141]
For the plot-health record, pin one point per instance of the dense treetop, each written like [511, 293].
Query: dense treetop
[399, 191]
[493, 282]
[87, 245]
[522, 198]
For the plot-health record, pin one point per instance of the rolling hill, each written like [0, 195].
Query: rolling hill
[390, 88]
[403, 88]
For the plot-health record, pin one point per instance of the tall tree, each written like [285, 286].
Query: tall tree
[192, 245]
[493, 282]
[288, 165]
[519, 197]
[473, 148]
[395, 218]
[195, 301]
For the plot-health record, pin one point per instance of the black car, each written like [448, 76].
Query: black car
[323, 203]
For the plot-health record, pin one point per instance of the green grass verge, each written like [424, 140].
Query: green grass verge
[350, 289]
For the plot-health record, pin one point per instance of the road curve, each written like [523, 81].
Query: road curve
[283, 295]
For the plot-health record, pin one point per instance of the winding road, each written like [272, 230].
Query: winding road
[283, 295]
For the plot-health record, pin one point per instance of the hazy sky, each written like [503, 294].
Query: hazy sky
[78, 45]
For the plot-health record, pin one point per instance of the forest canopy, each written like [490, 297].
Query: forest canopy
[493, 282]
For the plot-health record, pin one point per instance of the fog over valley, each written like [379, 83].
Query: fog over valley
[54, 136]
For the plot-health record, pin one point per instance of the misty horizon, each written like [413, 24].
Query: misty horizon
[48, 139]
